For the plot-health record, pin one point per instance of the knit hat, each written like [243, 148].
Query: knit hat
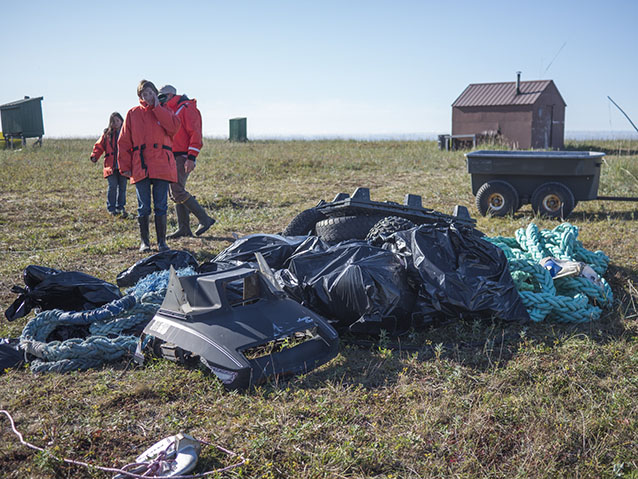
[168, 89]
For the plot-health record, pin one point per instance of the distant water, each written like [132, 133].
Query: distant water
[346, 137]
[569, 135]
[576, 135]
[601, 135]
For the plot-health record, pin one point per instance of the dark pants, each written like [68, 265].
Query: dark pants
[178, 190]
[159, 190]
[116, 192]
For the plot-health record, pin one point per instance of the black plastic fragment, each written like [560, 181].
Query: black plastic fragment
[157, 262]
[458, 274]
[48, 288]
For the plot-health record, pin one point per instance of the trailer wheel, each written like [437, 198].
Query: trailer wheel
[553, 200]
[497, 198]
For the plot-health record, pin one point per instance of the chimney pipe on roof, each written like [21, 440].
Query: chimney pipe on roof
[518, 83]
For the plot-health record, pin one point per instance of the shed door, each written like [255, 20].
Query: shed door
[545, 117]
[11, 121]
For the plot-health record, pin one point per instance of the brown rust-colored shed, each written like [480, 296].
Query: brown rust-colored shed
[526, 114]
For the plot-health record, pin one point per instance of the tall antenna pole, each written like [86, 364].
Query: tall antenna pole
[555, 56]
[621, 111]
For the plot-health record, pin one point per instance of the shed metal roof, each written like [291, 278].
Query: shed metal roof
[19, 102]
[500, 94]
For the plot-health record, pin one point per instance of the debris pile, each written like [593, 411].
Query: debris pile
[394, 282]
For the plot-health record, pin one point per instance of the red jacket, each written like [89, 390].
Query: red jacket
[108, 145]
[145, 143]
[188, 140]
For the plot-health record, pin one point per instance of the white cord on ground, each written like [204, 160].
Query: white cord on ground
[122, 471]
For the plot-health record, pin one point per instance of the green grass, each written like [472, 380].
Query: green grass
[460, 399]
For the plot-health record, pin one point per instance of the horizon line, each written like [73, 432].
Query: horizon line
[422, 136]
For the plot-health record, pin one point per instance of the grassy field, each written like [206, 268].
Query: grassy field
[460, 399]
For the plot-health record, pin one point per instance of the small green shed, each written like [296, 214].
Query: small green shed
[238, 129]
[23, 119]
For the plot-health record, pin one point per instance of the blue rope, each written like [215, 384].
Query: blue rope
[570, 299]
[106, 325]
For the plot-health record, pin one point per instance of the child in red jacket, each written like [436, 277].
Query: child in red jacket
[107, 144]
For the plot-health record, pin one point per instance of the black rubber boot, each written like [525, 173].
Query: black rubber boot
[205, 221]
[183, 222]
[145, 245]
[160, 230]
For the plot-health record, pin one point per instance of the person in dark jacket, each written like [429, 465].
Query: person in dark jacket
[187, 144]
[146, 157]
[107, 145]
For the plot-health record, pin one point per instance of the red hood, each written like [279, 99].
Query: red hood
[175, 102]
[188, 140]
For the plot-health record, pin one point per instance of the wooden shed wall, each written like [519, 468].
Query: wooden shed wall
[540, 124]
[548, 125]
[514, 123]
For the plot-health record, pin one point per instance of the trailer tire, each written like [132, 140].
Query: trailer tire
[342, 228]
[386, 227]
[497, 198]
[553, 200]
[304, 223]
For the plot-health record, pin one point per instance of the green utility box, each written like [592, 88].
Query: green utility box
[23, 119]
[238, 129]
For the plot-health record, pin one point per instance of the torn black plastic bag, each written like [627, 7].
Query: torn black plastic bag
[354, 284]
[459, 274]
[275, 249]
[48, 288]
[10, 355]
[157, 262]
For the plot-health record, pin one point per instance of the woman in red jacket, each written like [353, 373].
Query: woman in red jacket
[107, 144]
[146, 157]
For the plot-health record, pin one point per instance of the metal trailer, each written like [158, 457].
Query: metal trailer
[22, 119]
[552, 181]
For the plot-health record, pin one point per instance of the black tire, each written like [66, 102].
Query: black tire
[304, 223]
[553, 200]
[386, 227]
[342, 228]
[497, 198]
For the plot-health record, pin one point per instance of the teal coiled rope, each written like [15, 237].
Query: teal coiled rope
[107, 324]
[569, 299]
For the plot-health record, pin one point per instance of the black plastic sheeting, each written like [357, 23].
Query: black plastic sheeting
[362, 287]
[48, 288]
[10, 356]
[457, 273]
[421, 274]
[157, 262]
[275, 249]
[418, 275]
[353, 284]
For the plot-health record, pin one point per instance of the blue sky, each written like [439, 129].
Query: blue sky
[316, 68]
